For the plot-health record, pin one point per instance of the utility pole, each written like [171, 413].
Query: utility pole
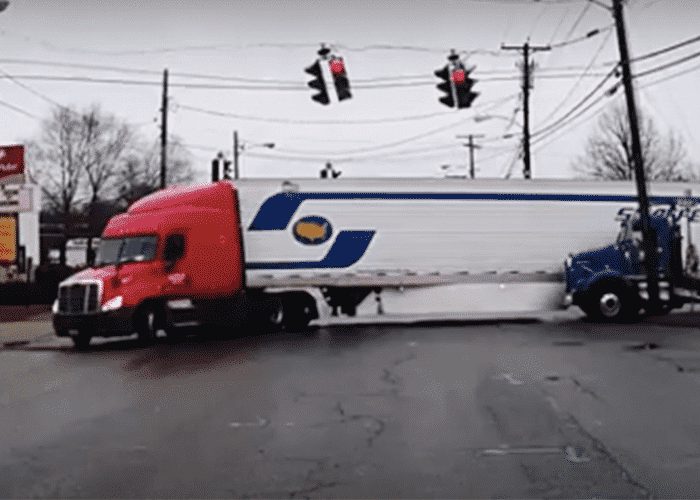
[648, 233]
[526, 49]
[472, 147]
[236, 152]
[164, 131]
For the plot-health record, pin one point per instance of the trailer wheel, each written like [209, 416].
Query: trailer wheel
[299, 310]
[275, 314]
[612, 302]
[81, 341]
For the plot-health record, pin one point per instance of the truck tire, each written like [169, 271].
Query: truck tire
[148, 322]
[265, 313]
[611, 302]
[299, 310]
[275, 317]
[81, 341]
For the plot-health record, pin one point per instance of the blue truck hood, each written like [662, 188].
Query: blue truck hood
[600, 257]
[586, 265]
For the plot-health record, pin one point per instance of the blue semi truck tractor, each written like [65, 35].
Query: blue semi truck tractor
[609, 283]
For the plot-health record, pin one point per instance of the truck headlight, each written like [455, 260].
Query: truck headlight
[54, 307]
[113, 304]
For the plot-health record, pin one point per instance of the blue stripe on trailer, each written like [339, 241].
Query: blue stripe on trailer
[277, 211]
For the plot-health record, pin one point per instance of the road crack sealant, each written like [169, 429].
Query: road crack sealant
[373, 424]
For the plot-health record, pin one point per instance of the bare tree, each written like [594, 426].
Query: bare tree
[106, 140]
[77, 156]
[608, 153]
[54, 162]
[140, 172]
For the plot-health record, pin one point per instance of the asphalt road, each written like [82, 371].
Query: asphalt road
[553, 409]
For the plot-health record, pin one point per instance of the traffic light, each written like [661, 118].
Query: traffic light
[318, 83]
[340, 78]
[456, 85]
[446, 86]
[227, 170]
[215, 170]
[463, 88]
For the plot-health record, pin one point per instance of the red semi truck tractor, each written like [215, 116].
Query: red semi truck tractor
[270, 252]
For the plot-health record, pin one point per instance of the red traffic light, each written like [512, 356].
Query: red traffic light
[337, 66]
[459, 76]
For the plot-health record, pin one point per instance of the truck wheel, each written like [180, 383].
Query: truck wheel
[612, 302]
[81, 341]
[297, 323]
[275, 314]
[299, 310]
[148, 321]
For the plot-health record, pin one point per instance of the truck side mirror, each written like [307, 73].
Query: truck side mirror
[174, 249]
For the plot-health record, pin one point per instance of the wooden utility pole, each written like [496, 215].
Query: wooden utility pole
[236, 153]
[526, 49]
[164, 131]
[470, 144]
[648, 233]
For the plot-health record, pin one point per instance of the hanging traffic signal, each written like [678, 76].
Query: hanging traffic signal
[340, 78]
[227, 170]
[463, 88]
[318, 83]
[456, 83]
[215, 170]
[446, 86]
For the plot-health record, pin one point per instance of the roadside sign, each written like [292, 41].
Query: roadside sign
[12, 164]
[8, 239]
[14, 199]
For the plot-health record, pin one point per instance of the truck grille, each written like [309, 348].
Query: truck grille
[79, 298]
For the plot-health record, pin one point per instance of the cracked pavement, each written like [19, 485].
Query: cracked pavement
[555, 409]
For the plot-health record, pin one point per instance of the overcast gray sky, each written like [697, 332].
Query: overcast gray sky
[275, 40]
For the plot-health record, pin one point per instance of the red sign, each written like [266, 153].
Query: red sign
[11, 164]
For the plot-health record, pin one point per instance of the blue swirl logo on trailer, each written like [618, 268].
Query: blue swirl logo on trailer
[312, 230]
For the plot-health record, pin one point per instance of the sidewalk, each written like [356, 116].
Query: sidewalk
[24, 324]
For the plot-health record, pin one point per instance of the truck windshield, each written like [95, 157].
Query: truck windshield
[119, 250]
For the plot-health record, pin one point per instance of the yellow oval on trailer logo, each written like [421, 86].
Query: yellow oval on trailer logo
[312, 230]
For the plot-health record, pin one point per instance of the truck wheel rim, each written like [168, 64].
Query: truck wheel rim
[277, 316]
[610, 305]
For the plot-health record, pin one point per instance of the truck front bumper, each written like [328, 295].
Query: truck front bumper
[104, 324]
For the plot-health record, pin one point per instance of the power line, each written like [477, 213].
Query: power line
[671, 76]
[582, 38]
[387, 145]
[262, 81]
[580, 79]
[570, 121]
[238, 116]
[577, 106]
[18, 110]
[392, 119]
[668, 65]
[669, 48]
[578, 20]
[31, 90]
